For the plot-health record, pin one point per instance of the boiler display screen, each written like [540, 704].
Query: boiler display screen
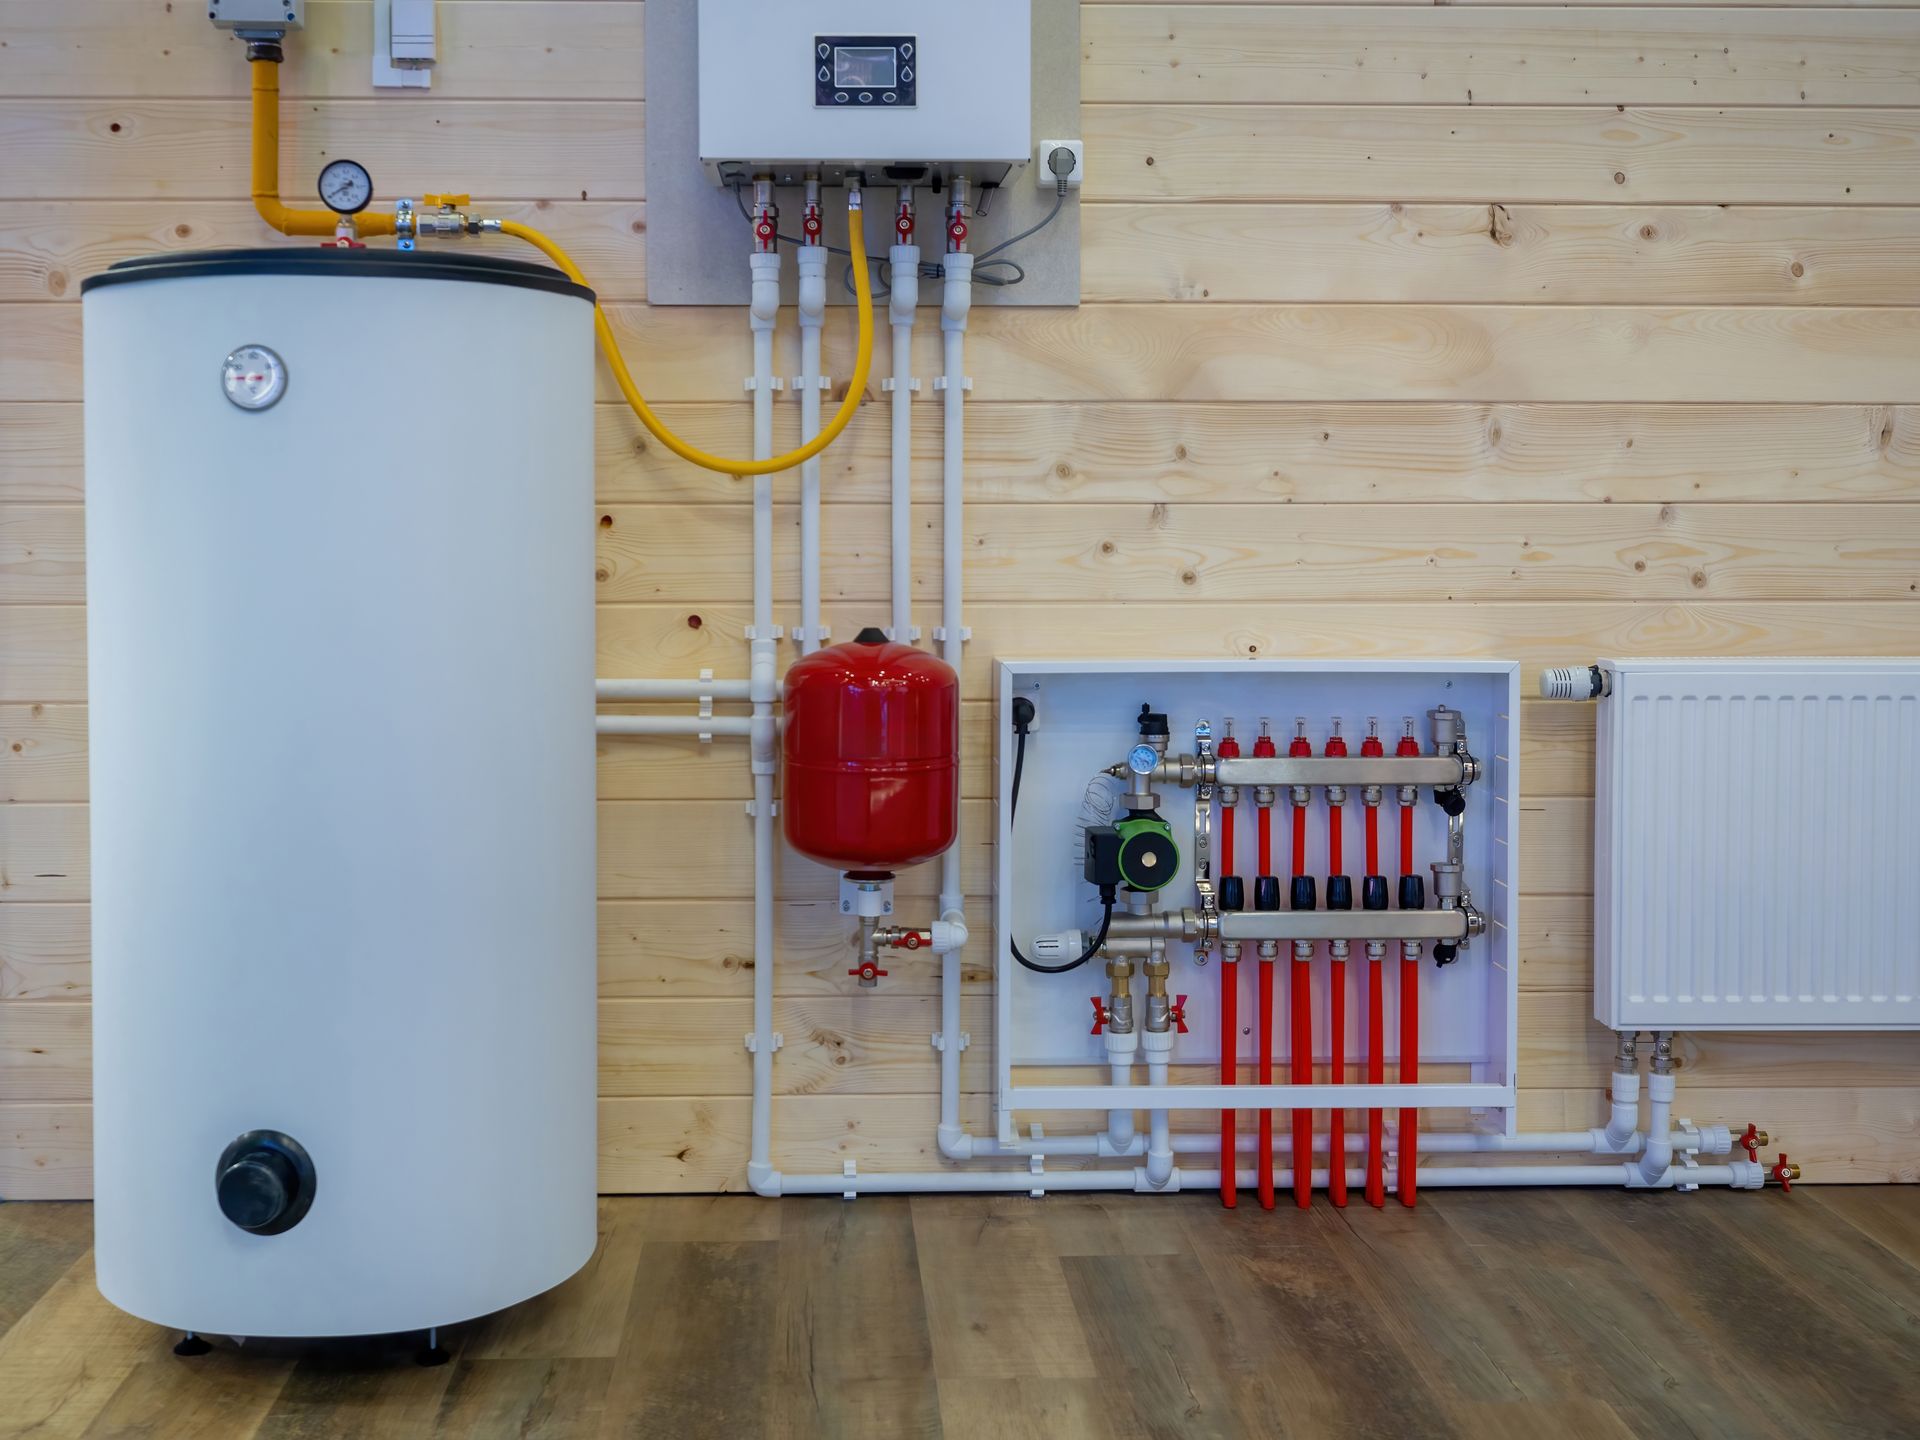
[868, 66]
[869, 72]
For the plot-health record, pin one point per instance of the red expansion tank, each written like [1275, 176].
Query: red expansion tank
[872, 749]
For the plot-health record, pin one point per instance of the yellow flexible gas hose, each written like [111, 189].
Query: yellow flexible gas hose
[856, 388]
[289, 221]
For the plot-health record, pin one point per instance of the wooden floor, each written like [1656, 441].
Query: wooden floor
[1520, 1314]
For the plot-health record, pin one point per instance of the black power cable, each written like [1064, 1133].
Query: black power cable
[1022, 719]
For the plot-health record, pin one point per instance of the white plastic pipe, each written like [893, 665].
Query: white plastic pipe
[612, 692]
[812, 266]
[957, 301]
[1658, 1155]
[954, 1142]
[1740, 1175]
[902, 307]
[729, 726]
[1623, 1124]
[1120, 1138]
[1132, 1145]
[1159, 1141]
[763, 314]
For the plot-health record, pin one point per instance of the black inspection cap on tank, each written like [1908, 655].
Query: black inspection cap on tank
[328, 260]
[872, 635]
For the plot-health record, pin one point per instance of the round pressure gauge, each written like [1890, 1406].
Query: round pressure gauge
[254, 377]
[346, 187]
[1142, 758]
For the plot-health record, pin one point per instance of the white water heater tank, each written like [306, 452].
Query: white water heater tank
[340, 660]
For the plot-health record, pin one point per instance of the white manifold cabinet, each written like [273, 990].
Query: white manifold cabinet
[1756, 856]
[340, 674]
[1086, 721]
[904, 90]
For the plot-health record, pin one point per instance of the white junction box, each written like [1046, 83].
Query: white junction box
[1755, 848]
[1086, 719]
[901, 90]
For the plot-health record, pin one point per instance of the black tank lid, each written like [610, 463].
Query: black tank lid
[480, 269]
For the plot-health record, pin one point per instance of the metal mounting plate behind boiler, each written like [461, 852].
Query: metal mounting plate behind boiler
[697, 243]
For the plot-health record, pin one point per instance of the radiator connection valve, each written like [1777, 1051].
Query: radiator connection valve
[1784, 1174]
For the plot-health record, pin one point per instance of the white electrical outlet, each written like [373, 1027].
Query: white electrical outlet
[1043, 175]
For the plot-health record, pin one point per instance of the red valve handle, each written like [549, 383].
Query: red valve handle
[1177, 1013]
[867, 972]
[1100, 1015]
[911, 940]
[1751, 1141]
[1784, 1172]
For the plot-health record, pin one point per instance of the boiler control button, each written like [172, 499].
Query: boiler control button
[906, 74]
[826, 75]
[866, 97]
[906, 51]
[840, 97]
[825, 50]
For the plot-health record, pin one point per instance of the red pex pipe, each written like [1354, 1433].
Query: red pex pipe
[1336, 1073]
[1229, 1046]
[1376, 1015]
[1409, 1012]
[1263, 747]
[1300, 1050]
[1376, 1074]
[1229, 1013]
[1336, 1003]
[1265, 1074]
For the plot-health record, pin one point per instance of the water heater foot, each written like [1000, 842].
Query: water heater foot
[191, 1344]
[432, 1353]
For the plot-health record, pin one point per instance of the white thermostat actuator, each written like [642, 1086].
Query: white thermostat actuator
[893, 91]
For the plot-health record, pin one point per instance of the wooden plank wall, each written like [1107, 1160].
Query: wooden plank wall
[1410, 329]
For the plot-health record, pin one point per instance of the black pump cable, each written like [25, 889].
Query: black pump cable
[1022, 719]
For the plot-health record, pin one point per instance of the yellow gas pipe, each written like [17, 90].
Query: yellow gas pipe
[289, 221]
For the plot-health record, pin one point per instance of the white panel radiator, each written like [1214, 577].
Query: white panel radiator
[1757, 845]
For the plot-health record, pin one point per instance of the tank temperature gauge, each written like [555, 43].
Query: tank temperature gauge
[346, 187]
[254, 377]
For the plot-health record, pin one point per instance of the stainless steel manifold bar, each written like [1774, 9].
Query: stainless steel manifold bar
[1442, 772]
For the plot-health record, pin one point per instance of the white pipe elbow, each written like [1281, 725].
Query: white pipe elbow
[1625, 1119]
[957, 299]
[949, 934]
[811, 296]
[954, 1142]
[764, 306]
[903, 302]
[763, 1179]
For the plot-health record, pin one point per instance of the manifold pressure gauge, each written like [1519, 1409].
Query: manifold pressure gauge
[254, 377]
[1142, 759]
[346, 187]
